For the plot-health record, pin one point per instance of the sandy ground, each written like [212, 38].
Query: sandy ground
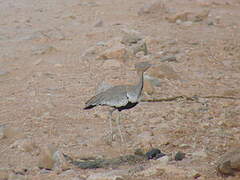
[46, 77]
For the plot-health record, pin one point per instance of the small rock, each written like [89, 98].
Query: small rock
[130, 37]
[229, 162]
[145, 138]
[141, 46]
[201, 16]
[181, 16]
[4, 174]
[26, 145]
[168, 59]
[152, 7]
[193, 174]
[154, 154]
[99, 23]
[118, 52]
[46, 160]
[148, 87]
[164, 160]
[9, 132]
[188, 23]
[179, 156]
[60, 162]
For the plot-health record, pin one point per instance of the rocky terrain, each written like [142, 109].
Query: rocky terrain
[55, 55]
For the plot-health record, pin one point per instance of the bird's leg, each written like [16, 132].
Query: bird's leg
[119, 127]
[110, 122]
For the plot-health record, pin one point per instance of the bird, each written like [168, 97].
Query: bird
[121, 97]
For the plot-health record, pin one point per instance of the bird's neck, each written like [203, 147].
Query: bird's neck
[140, 83]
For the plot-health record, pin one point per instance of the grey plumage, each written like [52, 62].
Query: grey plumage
[120, 96]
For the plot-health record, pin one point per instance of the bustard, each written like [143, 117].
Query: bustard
[120, 97]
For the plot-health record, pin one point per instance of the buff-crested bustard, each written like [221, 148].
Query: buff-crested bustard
[120, 97]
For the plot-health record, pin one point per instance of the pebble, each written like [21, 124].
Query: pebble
[46, 160]
[99, 23]
[179, 156]
[154, 154]
[229, 162]
[41, 50]
[10, 132]
[148, 87]
[110, 175]
[130, 37]
[163, 71]
[118, 52]
[168, 59]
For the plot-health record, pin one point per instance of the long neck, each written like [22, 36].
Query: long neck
[139, 85]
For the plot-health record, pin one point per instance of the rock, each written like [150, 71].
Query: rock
[46, 159]
[60, 162]
[130, 37]
[111, 175]
[99, 23]
[160, 169]
[163, 71]
[4, 174]
[193, 174]
[152, 7]
[201, 16]
[168, 59]
[45, 49]
[179, 156]
[141, 46]
[154, 154]
[229, 162]
[9, 132]
[188, 23]
[181, 16]
[164, 160]
[148, 87]
[26, 145]
[118, 52]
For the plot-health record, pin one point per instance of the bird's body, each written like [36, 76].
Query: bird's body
[120, 97]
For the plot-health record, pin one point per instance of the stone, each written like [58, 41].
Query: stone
[154, 154]
[164, 160]
[26, 145]
[46, 159]
[181, 16]
[179, 156]
[130, 37]
[168, 59]
[148, 88]
[193, 174]
[13, 176]
[152, 7]
[118, 52]
[229, 162]
[163, 71]
[60, 162]
[141, 46]
[4, 174]
[201, 16]
[10, 132]
[99, 23]
[145, 138]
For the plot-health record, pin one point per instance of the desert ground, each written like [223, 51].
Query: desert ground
[55, 55]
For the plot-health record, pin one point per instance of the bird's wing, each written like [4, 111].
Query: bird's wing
[115, 97]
